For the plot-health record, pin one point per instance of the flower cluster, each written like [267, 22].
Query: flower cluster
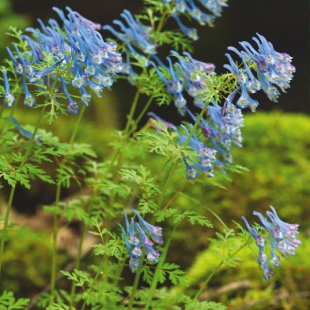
[190, 9]
[135, 34]
[76, 55]
[222, 128]
[274, 71]
[184, 75]
[138, 237]
[282, 237]
[204, 156]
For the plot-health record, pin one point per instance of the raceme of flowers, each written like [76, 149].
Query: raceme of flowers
[190, 9]
[134, 35]
[183, 75]
[274, 71]
[282, 239]
[76, 55]
[144, 235]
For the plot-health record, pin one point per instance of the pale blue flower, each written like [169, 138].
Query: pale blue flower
[282, 238]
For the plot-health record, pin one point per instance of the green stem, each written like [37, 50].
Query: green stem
[5, 225]
[193, 130]
[134, 288]
[77, 265]
[56, 217]
[77, 124]
[31, 142]
[131, 113]
[215, 271]
[54, 249]
[91, 288]
[169, 175]
[158, 268]
[10, 201]
[147, 105]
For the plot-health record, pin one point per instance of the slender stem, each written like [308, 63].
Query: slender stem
[193, 130]
[215, 271]
[5, 225]
[91, 288]
[56, 217]
[132, 112]
[134, 288]
[147, 105]
[77, 124]
[10, 201]
[32, 140]
[169, 175]
[175, 196]
[54, 249]
[158, 268]
[77, 265]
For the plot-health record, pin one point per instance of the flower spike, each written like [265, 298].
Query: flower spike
[281, 238]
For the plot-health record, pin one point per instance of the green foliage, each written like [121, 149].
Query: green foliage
[204, 305]
[142, 169]
[8, 302]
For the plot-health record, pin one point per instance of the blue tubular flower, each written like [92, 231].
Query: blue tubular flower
[260, 241]
[151, 253]
[135, 34]
[72, 106]
[245, 100]
[200, 16]
[26, 133]
[77, 52]
[29, 99]
[191, 172]
[135, 255]
[282, 238]
[274, 71]
[213, 6]
[9, 99]
[143, 229]
[154, 231]
[190, 32]
[131, 231]
[157, 118]
[18, 68]
[222, 128]
[205, 157]
[85, 97]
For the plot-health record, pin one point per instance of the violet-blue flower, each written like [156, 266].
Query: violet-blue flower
[135, 33]
[138, 237]
[9, 99]
[195, 9]
[274, 71]
[76, 54]
[282, 239]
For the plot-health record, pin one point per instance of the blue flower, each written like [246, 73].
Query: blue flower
[77, 53]
[154, 231]
[26, 133]
[182, 76]
[274, 71]
[136, 241]
[189, 7]
[222, 128]
[189, 32]
[9, 99]
[282, 238]
[135, 33]
[204, 156]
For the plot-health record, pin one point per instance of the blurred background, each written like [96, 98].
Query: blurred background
[276, 151]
